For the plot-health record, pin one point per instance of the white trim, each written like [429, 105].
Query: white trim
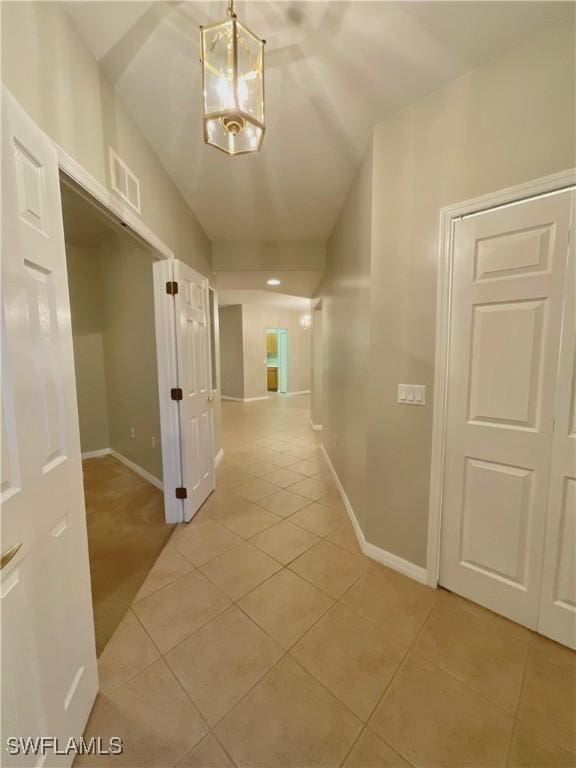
[448, 216]
[110, 202]
[165, 331]
[152, 479]
[301, 392]
[243, 399]
[219, 456]
[96, 454]
[405, 567]
[98, 195]
[316, 427]
[117, 161]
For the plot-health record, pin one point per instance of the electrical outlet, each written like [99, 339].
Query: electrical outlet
[132, 432]
[153, 441]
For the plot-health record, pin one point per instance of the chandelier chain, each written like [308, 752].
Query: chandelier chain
[230, 10]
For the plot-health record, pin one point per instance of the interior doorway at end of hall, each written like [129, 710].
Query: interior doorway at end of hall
[277, 360]
[111, 292]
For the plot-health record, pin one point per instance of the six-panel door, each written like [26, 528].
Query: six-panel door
[193, 346]
[507, 297]
[49, 677]
[557, 617]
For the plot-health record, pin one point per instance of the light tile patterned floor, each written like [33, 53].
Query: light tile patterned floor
[263, 637]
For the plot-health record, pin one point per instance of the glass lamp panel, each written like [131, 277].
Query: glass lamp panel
[218, 60]
[250, 73]
[246, 140]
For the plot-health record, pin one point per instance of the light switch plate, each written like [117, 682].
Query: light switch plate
[412, 394]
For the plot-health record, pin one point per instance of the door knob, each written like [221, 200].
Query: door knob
[8, 555]
[209, 398]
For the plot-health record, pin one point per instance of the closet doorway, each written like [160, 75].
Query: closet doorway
[508, 522]
[110, 281]
[277, 360]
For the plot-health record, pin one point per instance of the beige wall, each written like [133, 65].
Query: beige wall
[317, 370]
[509, 121]
[231, 352]
[112, 307]
[130, 352]
[87, 310]
[346, 323]
[256, 319]
[243, 349]
[51, 72]
[217, 376]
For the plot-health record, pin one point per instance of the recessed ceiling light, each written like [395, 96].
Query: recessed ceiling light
[273, 281]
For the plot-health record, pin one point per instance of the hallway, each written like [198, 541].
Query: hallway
[263, 637]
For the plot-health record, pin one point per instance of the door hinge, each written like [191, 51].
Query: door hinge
[172, 287]
[176, 393]
[181, 493]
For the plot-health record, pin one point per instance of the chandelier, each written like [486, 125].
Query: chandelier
[233, 86]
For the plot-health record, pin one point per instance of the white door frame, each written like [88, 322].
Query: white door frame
[448, 216]
[96, 193]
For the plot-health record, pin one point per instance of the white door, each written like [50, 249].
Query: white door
[49, 675]
[193, 357]
[507, 293]
[558, 597]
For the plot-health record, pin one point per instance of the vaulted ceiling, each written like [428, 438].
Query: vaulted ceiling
[333, 70]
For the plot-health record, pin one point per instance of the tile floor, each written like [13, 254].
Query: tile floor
[263, 637]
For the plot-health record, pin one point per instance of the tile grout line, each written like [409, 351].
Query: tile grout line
[211, 728]
[195, 706]
[354, 742]
[336, 599]
[450, 674]
[517, 708]
[147, 666]
[400, 666]
[287, 652]
[389, 683]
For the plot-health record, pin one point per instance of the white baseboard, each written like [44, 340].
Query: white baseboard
[405, 567]
[152, 479]
[219, 456]
[96, 454]
[301, 392]
[139, 471]
[316, 427]
[243, 399]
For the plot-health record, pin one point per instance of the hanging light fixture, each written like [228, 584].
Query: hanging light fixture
[233, 83]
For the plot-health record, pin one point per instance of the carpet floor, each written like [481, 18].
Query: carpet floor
[126, 533]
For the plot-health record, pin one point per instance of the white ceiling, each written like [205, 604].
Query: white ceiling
[295, 282]
[333, 70]
[276, 300]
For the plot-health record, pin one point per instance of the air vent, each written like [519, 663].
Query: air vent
[124, 183]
